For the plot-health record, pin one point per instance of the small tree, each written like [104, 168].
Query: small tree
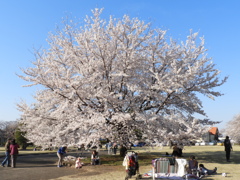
[20, 139]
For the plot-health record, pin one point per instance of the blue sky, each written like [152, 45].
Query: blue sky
[25, 25]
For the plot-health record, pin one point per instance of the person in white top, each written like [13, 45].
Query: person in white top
[181, 167]
[95, 158]
[78, 163]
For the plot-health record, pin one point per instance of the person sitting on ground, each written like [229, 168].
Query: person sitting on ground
[204, 171]
[95, 158]
[192, 165]
[175, 152]
[78, 163]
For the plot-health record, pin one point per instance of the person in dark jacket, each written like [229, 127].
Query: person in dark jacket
[61, 151]
[228, 148]
[7, 153]
[175, 152]
[115, 147]
[123, 150]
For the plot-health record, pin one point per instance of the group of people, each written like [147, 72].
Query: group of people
[177, 149]
[112, 148]
[95, 160]
[201, 170]
[11, 152]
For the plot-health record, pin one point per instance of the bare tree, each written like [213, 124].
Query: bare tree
[8, 128]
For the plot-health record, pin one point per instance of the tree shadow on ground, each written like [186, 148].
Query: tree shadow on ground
[36, 162]
[215, 157]
[37, 166]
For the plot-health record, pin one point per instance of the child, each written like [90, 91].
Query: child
[78, 163]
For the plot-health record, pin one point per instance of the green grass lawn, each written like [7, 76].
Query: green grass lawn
[210, 156]
[29, 150]
[204, 154]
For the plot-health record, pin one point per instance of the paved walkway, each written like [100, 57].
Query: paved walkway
[44, 167]
[36, 167]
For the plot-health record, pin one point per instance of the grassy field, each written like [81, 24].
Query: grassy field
[210, 156]
[213, 156]
[29, 150]
[112, 169]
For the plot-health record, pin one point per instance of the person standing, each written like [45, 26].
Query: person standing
[123, 150]
[110, 148]
[14, 152]
[170, 143]
[61, 151]
[82, 149]
[115, 148]
[228, 148]
[136, 161]
[7, 153]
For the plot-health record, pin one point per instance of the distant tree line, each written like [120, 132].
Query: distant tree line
[10, 129]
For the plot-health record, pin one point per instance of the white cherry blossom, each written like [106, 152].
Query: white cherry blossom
[118, 79]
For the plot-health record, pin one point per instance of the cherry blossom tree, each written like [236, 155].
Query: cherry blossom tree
[232, 129]
[118, 79]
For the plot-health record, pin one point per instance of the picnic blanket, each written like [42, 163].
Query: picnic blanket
[170, 176]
